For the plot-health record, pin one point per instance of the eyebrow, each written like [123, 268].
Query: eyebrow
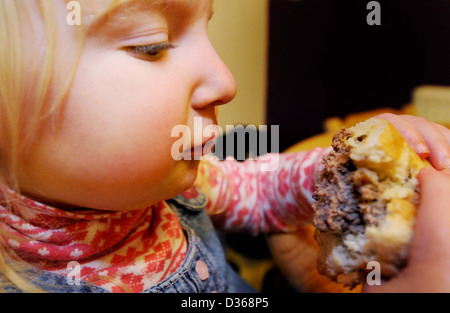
[128, 8]
[121, 11]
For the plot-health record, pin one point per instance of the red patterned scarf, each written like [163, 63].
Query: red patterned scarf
[119, 251]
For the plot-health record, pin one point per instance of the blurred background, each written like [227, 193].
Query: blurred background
[312, 66]
[299, 62]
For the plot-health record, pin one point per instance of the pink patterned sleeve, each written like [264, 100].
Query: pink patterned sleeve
[244, 198]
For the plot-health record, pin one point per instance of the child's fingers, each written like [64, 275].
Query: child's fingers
[409, 132]
[426, 138]
[437, 139]
[428, 269]
[432, 230]
[445, 131]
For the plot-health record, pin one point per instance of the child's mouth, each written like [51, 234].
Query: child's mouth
[197, 152]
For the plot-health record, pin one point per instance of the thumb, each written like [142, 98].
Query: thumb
[432, 230]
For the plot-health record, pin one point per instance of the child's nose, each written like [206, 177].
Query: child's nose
[216, 84]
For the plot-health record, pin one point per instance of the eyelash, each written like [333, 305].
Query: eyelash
[151, 52]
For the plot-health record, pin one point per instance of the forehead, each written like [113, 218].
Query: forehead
[101, 10]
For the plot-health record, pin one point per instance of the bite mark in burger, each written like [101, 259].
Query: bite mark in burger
[366, 197]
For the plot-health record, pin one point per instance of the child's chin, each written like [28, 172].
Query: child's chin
[187, 177]
[192, 165]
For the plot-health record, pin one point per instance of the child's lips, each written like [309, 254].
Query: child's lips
[197, 152]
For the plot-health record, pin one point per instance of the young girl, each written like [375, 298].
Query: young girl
[92, 197]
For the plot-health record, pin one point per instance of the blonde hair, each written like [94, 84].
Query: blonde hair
[34, 80]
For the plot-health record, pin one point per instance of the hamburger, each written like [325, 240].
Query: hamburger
[366, 197]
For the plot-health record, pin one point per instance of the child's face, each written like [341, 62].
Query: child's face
[111, 147]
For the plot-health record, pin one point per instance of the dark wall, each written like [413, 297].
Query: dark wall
[325, 60]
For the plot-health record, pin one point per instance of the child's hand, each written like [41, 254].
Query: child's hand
[428, 139]
[295, 254]
[428, 267]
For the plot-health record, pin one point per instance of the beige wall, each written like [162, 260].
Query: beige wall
[238, 31]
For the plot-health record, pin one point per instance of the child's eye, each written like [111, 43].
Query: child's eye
[151, 52]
